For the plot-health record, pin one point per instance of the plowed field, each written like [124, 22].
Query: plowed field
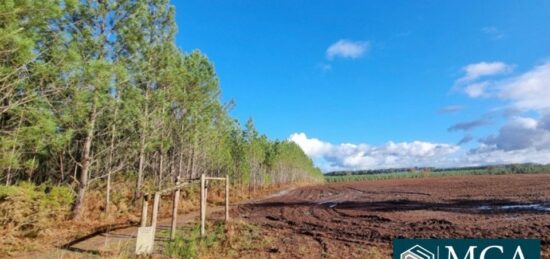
[360, 219]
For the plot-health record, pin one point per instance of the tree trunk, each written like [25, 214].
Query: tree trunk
[139, 181]
[189, 174]
[194, 160]
[8, 176]
[83, 184]
[161, 163]
[180, 166]
[110, 162]
[161, 169]
[62, 165]
[172, 163]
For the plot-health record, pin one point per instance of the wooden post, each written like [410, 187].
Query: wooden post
[226, 198]
[203, 206]
[175, 212]
[205, 195]
[144, 210]
[156, 204]
[205, 199]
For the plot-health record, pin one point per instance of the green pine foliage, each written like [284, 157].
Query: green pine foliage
[92, 89]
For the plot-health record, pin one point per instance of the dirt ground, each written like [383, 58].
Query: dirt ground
[360, 219]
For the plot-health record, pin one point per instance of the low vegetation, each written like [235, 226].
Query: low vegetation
[234, 240]
[27, 211]
[34, 218]
[384, 174]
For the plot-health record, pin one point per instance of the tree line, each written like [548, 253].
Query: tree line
[93, 89]
[523, 168]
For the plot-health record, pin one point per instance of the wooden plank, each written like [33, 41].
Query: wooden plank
[145, 240]
[203, 206]
[173, 188]
[215, 178]
[226, 198]
[144, 208]
[174, 214]
[156, 204]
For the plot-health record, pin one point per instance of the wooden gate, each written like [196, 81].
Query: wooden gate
[146, 234]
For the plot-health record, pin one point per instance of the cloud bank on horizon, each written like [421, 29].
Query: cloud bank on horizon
[523, 137]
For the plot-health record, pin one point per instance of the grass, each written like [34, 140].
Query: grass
[222, 241]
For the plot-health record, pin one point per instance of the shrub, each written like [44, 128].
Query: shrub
[27, 209]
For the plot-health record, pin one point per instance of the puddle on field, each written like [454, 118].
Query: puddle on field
[534, 207]
[522, 207]
[329, 204]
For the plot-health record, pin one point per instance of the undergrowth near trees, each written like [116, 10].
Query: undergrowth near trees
[27, 211]
[233, 240]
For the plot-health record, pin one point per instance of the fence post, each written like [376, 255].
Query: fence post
[156, 204]
[203, 206]
[144, 208]
[175, 211]
[226, 198]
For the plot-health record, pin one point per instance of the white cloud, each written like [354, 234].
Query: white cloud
[481, 69]
[487, 155]
[311, 146]
[348, 156]
[525, 135]
[476, 89]
[528, 91]
[528, 94]
[470, 83]
[521, 133]
[347, 49]
[363, 156]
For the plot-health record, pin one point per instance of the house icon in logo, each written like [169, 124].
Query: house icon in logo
[417, 252]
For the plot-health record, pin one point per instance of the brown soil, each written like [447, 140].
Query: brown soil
[361, 219]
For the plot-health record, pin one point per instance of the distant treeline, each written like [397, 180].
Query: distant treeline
[418, 172]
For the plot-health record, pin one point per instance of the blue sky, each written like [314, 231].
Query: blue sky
[381, 84]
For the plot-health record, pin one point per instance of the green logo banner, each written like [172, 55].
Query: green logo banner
[466, 249]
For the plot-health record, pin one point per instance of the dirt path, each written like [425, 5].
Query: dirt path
[360, 219]
[106, 241]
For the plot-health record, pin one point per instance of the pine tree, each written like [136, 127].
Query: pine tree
[90, 89]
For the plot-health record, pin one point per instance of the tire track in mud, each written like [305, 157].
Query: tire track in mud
[346, 217]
